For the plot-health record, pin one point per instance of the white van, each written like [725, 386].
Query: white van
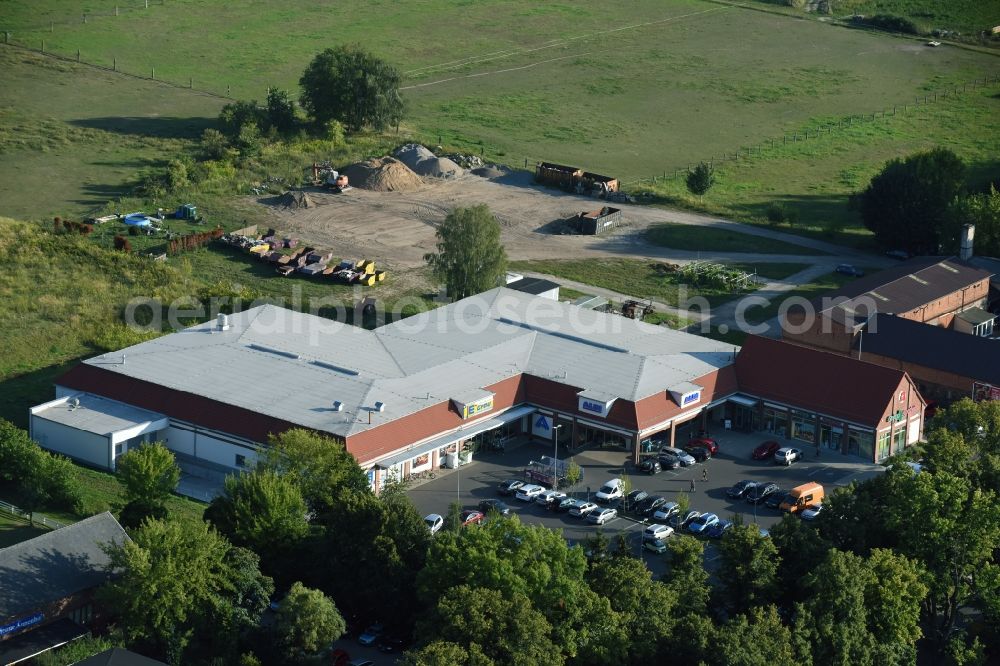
[611, 490]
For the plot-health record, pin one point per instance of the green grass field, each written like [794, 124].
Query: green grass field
[817, 287]
[13, 530]
[708, 239]
[639, 279]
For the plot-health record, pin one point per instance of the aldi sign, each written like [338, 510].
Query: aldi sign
[541, 426]
[593, 406]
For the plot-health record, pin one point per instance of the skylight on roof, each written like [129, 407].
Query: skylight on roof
[879, 296]
[914, 277]
[272, 350]
[947, 267]
[564, 336]
[335, 368]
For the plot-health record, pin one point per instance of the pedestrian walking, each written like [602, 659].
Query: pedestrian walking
[692, 485]
[704, 474]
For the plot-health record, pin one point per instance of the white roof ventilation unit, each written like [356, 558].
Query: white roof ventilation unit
[380, 407]
[338, 406]
[223, 322]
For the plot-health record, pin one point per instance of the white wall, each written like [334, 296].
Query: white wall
[193, 441]
[179, 440]
[78, 444]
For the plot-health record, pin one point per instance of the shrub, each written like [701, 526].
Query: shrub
[213, 144]
[775, 213]
[892, 23]
[133, 231]
[121, 243]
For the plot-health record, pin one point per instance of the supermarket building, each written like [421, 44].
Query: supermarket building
[410, 395]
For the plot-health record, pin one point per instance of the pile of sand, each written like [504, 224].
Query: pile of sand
[412, 154]
[438, 167]
[490, 171]
[296, 199]
[384, 174]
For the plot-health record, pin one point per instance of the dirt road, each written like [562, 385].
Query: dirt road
[397, 228]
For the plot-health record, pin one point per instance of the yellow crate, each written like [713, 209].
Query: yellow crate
[367, 280]
[260, 249]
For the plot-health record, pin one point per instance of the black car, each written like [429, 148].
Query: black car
[775, 500]
[699, 453]
[650, 466]
[632, 500]
[509, 487]
[650, 504]
[740, 490]
[488, 505]
[759, 493]
[391, 644]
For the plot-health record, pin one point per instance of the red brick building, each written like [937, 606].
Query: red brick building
[829, 401]
[929, 290]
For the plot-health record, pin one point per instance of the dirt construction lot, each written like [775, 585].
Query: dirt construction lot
[397, 228]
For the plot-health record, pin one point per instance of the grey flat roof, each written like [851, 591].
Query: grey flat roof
[96, 414]
[294, 366]
[57, 564]
[976, 316]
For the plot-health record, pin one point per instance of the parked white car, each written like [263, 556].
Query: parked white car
[529, 492]
[601, 516]
[550, 497]
[657, 532]
[667, 511]
[611, 490]
[786, 456]
[583, 509]
[434, 523]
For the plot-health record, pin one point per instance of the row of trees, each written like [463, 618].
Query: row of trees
[889, 562]
[37, 478]
[920, 203]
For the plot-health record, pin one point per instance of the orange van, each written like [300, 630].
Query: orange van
[802, 496]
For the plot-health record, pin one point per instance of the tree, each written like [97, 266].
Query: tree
[148, 473]
[628, 585]
[801, 550]
[170, 577]
[574, 473]
[470, 257]
[306, 622]
[834, 619]
[320, 466]
[983, 211]
[41, 478]
[237, 115]
[748, 567]
[757, 638]
[262, 511]
[353, 86]
[213, 144]
[453, 521]
[687, 575]
[893, 597]
[280, 111]
[503, 627]
[443, 653]
[906, 204]
[700, 179]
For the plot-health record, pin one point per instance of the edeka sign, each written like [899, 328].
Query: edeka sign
[470, 409]
[541, 426]
[23, 623]
[595, 407]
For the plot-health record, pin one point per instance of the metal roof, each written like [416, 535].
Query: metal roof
[55, 565]
[900, 289]
[295, 366]
[95, 414]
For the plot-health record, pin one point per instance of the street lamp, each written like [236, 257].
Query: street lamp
[555, 457]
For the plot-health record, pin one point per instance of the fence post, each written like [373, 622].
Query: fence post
[152, 73]
[52, 26]
[43, 46]
[78, 55]
[84, 18]
[116, 10]
[6, 37]
[114, 64]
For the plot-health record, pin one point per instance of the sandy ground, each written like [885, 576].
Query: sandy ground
[396, 229]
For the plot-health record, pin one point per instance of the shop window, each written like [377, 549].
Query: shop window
[883, 445]
[899, 440]
[82, 615]
[804, 431]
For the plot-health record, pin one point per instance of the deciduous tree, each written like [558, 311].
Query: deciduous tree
[262, 511]
[470, 257]
[353, 86]
[148, 473]
[307, 621]
[700, 179]
[906, 205]
[757, 638]
[748, 567]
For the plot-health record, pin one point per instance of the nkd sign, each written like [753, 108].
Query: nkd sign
[594, 406]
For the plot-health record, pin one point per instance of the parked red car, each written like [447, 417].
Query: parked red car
[765, 450]
[705, 442]
[472, 518]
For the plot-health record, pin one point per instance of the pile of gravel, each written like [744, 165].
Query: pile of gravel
[384, 174]
[296, 199]
[489, 171]
[438, 167]
[413, 153]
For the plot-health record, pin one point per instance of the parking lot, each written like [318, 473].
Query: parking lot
[478, 480]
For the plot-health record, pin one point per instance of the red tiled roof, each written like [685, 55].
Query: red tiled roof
[816, 380]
